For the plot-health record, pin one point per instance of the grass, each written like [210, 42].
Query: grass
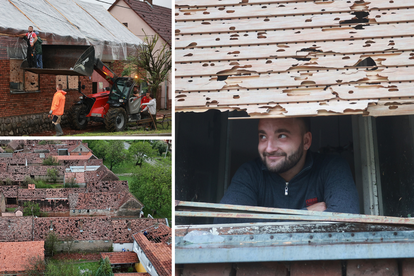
[40, 184]
[140, 131]
[10, 209]
[91, 266]
[125, 167]
[126, 178]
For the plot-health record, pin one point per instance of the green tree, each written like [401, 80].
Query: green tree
[52, 174]
[115, 153]
[155, 61]
[152, 186]
[140, 150]
[160, 146]
[50, 161]
[105, 268]
[51, 242]
[98, 148]
[31, 209]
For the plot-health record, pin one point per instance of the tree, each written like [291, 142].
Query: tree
[31, 209]
[50, 161]
[52, 174]
[50, 244]
[104, 268]
[160, 146]
[140, 150]
[155, 61]
[115, 153]
[98, 148]
[152, 186]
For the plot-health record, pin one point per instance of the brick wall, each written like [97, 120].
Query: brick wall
[383, 267]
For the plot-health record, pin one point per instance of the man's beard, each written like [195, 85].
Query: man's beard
[287, 163]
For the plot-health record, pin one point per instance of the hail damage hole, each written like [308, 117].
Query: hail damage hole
[236, 97]
[310, 50]
[221, 9]
[346, 57]
[302, 59]
[360, 17]
[393, 107]
[359, 27]
[266, 19]
[206, 12]
[222, 78]
[192, 44]
[205, 23]
[177, 31]
[181, 96]
[232, 28]
[181, 100]
[230, 11]
[268, 61]
[366, 62]
[205, 64]
[188, 55]
[234, 63]
[308, 20]
[350, 92]
[218, 39]
[233, 53]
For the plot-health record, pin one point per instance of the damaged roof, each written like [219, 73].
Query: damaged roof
[66, 22]
[303, 58]
[15, 256]
[157, 17]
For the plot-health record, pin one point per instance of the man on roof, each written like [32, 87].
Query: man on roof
[31, 39]
[287, 175]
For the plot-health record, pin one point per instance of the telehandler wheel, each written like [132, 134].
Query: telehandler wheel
[77, 117]
[115, 119]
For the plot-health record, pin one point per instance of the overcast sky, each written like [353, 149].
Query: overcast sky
[164, 3]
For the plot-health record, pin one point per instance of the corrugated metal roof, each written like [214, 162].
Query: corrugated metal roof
[296, 58]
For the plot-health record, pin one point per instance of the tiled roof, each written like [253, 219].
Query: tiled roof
[157, 17]
[157, 247]
[14, 256]
[121, 257]
[15, 144]
[79, 177]
[74, 157]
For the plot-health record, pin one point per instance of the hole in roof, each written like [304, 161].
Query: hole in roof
[222, 78]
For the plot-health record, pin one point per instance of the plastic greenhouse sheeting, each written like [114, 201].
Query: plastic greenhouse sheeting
[64, 22]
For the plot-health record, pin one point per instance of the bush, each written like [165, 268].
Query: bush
[50, 244]
[104, 268]
[42, 184]
[71, 183]
[50, 161]
[36, 267]
[8, 181]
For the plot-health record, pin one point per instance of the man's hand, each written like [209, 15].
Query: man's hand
[320, 206]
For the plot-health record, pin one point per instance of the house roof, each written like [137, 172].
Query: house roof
[74, 157]
[157, 17]
[15, 256]
[67, 22]
[306, 58]
[157, 247]
[120, 257]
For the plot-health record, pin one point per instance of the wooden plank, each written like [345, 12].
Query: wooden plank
[280, 9]
[388, 92]
[308, 35]
[206, 3]
[295, 79]
[274, 23]
[312, 61]
[347, 47]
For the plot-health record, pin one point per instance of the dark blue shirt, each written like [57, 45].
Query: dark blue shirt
[324, 178]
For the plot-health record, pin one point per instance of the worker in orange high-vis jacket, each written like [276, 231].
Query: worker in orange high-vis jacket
[57, 109]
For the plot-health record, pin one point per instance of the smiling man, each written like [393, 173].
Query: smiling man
[288, 175]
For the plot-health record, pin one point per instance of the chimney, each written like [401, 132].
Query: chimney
[84, 168]
[149, 2]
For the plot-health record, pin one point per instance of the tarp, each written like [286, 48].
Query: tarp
[64, 22]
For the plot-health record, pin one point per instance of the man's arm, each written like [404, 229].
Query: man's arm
[242, 191]
[340, 194]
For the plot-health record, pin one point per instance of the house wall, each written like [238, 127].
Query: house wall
[26, 113]
[91, 245]
[138, 26]
[118, 247]
[145, 261]
[90, 212]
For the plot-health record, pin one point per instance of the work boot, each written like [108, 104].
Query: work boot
[59, 131]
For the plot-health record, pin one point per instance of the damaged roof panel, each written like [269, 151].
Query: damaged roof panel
[299, 58]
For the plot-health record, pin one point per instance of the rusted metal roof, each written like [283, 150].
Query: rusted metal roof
[295, 58]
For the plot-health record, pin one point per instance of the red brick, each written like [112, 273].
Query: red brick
[262, 269]
[407, 267]
[207, 270]
[316, 268]
[386, 267]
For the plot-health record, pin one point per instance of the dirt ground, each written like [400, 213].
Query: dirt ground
[92, 127]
